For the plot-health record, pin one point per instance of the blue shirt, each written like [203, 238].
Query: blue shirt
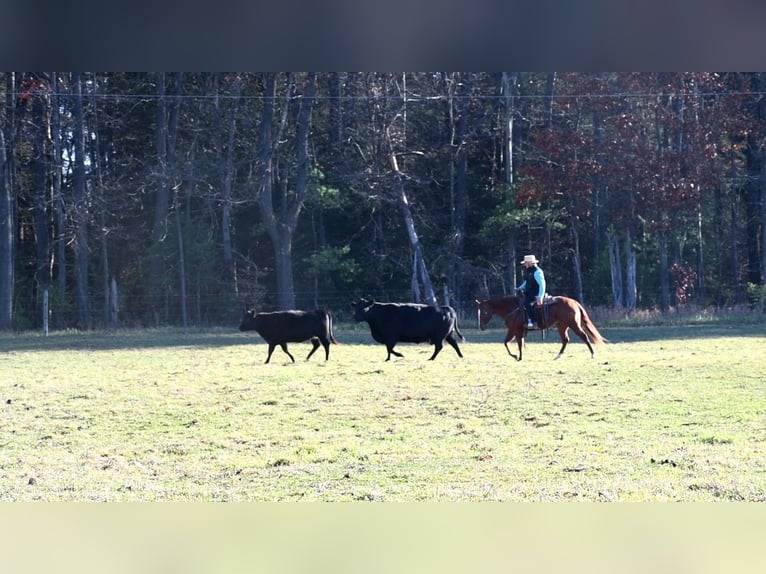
[539, 277]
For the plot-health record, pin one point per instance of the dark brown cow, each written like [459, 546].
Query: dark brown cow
[391, 323]
[282, 327]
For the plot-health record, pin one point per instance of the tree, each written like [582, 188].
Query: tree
[7, 215]
[275, 170]
[81, 210]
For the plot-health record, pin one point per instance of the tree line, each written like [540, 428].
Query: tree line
[178, 198]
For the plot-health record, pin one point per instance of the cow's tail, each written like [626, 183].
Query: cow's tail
[329, 329]
[459, 334]
[590, 328]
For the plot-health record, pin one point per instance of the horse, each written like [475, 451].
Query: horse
[563, 312]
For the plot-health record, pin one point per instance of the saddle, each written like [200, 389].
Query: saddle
[541, 312]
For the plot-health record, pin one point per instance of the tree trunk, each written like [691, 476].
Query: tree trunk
[631, 289]
[577, 260]
[114, 305]
[662, 255]
[156, 265]
[550, 85]
[181, 259]
[417, 249]
[509, 89]
[228, 179]
[615, 268]
[736, 263]
[509, 82]
[58, 199]
[458, 181]
[167, 127]
[82, 299]
[763, 213]
[7, 214]
[419, 265]
[701, 287]
[97, 176]
[39, 167]
[281, 228]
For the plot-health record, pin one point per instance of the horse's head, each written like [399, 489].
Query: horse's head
[501, 307]
[485, 313]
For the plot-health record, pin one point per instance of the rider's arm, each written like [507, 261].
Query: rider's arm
[522, 286]
[540, 278]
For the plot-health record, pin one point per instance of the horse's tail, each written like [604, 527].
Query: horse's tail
[590, 328]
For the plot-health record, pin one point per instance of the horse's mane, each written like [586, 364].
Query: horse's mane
[505, 300]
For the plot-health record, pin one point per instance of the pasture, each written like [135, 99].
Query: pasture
[661, 414]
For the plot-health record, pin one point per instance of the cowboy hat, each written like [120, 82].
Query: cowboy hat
[530, 259]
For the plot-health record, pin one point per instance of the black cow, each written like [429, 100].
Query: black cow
[391, 323]
[282, 327]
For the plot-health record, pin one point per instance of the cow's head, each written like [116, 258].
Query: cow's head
[248, 321]
[360, 308]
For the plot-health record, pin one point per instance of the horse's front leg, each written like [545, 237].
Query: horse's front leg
[507, 348]
[508, 338]
[564, 334]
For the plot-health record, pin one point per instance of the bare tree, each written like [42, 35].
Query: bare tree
[281, 224]
[167, 130]
[419, 269]
[7, 216]
[80, 189]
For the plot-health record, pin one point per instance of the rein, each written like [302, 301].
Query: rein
[509, 313]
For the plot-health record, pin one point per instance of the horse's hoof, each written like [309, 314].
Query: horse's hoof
[557, 357]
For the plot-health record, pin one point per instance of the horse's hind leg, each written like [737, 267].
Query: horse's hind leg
[584, 336]
[564, 334]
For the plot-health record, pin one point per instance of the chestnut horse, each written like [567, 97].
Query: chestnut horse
[563, 312]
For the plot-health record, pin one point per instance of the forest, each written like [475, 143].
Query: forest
[179, 198]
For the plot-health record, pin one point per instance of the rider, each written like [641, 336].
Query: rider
[533, 287]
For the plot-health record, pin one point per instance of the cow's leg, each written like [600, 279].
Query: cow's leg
[390, 349]
[326, 344]
[271, 350]
[451, 340]
[438, 345]
[284, 348]
[315, 343]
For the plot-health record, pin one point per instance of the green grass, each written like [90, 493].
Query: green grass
[662, 414]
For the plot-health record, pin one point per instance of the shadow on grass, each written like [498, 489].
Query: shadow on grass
[210, 338]
[149, 339]
[122, 339]
[630, 334]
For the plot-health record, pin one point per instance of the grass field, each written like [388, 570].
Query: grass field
[661, 414]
